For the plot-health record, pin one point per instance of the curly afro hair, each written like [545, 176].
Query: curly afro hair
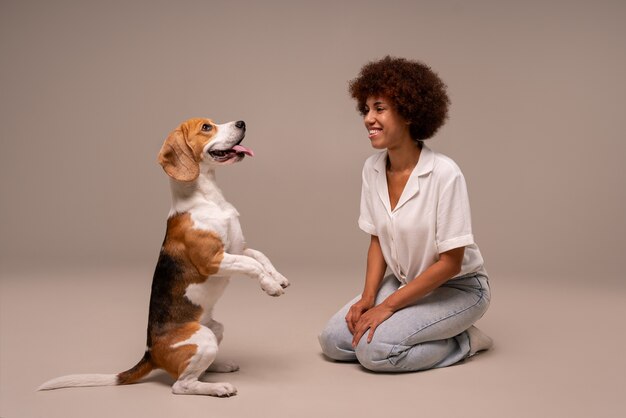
[416, 92]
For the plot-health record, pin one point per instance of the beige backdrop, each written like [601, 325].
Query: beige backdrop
[89, 90]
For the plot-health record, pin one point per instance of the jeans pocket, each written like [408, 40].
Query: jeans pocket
[472, 283]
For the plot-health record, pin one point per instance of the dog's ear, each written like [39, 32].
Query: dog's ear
[177, 159]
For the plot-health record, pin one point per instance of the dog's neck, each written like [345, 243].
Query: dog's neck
[194, 194]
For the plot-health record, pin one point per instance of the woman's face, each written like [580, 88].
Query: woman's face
[385, 127]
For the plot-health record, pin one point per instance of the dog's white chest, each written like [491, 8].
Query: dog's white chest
[236, 241]
[222, 219]
[209, 211]
[206, 295]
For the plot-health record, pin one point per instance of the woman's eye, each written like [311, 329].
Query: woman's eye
[380, 109]
[206, 127]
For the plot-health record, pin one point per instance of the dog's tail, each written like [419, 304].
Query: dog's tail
[141, 369]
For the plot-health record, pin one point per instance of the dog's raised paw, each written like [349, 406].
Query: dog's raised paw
[271, 287]
[281, 280]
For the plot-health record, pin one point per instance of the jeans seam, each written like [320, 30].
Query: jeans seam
[482, 296]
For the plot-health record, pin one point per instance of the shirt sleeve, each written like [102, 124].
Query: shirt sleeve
[454, 224]
[366, 221]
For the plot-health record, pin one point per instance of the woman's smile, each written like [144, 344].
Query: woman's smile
[374, 132]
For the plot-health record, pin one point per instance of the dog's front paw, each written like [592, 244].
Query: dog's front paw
[280, 279]
[271, 286]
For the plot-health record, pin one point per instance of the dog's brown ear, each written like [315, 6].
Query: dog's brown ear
[177, 159]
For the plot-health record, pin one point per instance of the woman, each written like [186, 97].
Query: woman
[414, 205]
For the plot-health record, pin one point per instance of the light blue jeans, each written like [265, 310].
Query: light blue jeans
[429, 334]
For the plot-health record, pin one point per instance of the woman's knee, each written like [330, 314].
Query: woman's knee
[381, 357]
[374, 356]
[334, 344]
[326, 342]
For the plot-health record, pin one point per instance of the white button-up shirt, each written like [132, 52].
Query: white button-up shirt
[431, 217]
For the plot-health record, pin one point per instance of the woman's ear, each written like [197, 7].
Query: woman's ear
[177, 159]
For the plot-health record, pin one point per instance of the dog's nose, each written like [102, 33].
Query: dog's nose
[240, 124]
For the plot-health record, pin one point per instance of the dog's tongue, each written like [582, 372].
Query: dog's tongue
[241, 148]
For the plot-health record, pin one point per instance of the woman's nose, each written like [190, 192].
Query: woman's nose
[368, 118]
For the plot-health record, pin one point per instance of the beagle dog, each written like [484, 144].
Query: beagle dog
[203, 247]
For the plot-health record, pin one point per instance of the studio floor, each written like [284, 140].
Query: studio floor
[559, 352]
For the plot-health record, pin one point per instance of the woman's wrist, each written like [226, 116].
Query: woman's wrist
[389, 304]
[368, 298]
[395, 301]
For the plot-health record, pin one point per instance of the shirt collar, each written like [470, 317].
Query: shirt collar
[424, 166]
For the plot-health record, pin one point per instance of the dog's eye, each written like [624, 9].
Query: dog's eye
[206, 127]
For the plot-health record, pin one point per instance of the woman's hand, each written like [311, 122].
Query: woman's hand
[355, 312]
[373, 278]
[370, 320]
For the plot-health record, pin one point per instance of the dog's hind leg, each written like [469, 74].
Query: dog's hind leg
[220, 366]
[187, 360]
[217, 328]
[206, 344]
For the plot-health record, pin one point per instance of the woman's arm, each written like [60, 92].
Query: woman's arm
[375, 271]
[374, 274]
[448, 266]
